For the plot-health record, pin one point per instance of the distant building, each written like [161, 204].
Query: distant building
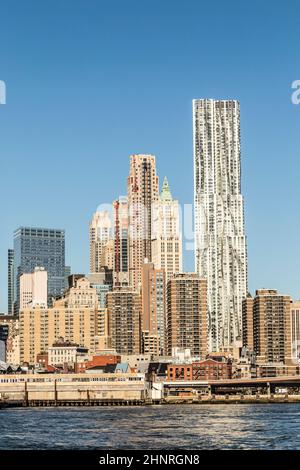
[124, 307]
[142, 186]
[153, 310]
[295, 327]
[102, 281]
[99, 360]
[40, 247]
[220, 241]
[10, 284]
[34, 288]
[100, 234]
[121, 270]
[67, 274]
[4, 331]
[9, 325]
[166, 235]
[247, 321]
[107, 255]
[207, 369]
[272, 327]
[187, 314]
[65, 353]
[72, 317]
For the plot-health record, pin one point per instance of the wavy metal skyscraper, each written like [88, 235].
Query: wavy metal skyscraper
[220, 242]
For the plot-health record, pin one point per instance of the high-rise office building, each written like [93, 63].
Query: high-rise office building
[34, 289]
[142, 195]
[10, 279]
[100, 234]
[121, 272]
[124, 307]
[40, 247]
[220, 242]
[187, 314]
[272, 327]
[153, 322]
[166, 234]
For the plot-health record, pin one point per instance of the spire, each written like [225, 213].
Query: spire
[165, 194]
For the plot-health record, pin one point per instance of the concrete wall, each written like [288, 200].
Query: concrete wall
[127, 387]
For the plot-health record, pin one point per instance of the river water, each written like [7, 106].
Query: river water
[271, 426]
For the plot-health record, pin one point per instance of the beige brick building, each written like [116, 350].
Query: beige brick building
[73, 317]
[166, 235]
[153, 310]
[272, 327]
[124, 307]
[187, 314]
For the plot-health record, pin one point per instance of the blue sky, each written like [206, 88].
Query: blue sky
[90, 82]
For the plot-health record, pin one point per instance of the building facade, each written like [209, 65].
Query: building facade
[40, 247]
[220, 242]
[121, 268]
[10, 282]
[187, 314]
[166, 234]
[272, 327]
[124, 307]
[34, 288]
[100, 234]
[247, 322]
[295, 331]
[153, 310]
[208, 369]
[72, 317]
[142, 187]
[63, 353]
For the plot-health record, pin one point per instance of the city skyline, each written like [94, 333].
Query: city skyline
[80, 139]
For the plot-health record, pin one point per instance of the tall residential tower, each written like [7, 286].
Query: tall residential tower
[142, 186]
[220, 242]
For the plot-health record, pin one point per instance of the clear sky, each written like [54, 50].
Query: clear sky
[91, 81]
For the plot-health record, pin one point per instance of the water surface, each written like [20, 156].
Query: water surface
[271, 426]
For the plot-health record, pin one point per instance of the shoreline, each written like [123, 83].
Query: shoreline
[217, 400]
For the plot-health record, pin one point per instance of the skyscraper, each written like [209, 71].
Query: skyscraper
[124, 308]
[295, 327]
[142, 195]
[153, 322]
[272, 335]
[10, 285]
[166, 234]
[100, 235]
[40, 247]
[247, 321]
[220, 242]
[121, 273]
[187, 314]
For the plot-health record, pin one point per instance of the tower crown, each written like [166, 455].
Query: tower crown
[166, 194]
